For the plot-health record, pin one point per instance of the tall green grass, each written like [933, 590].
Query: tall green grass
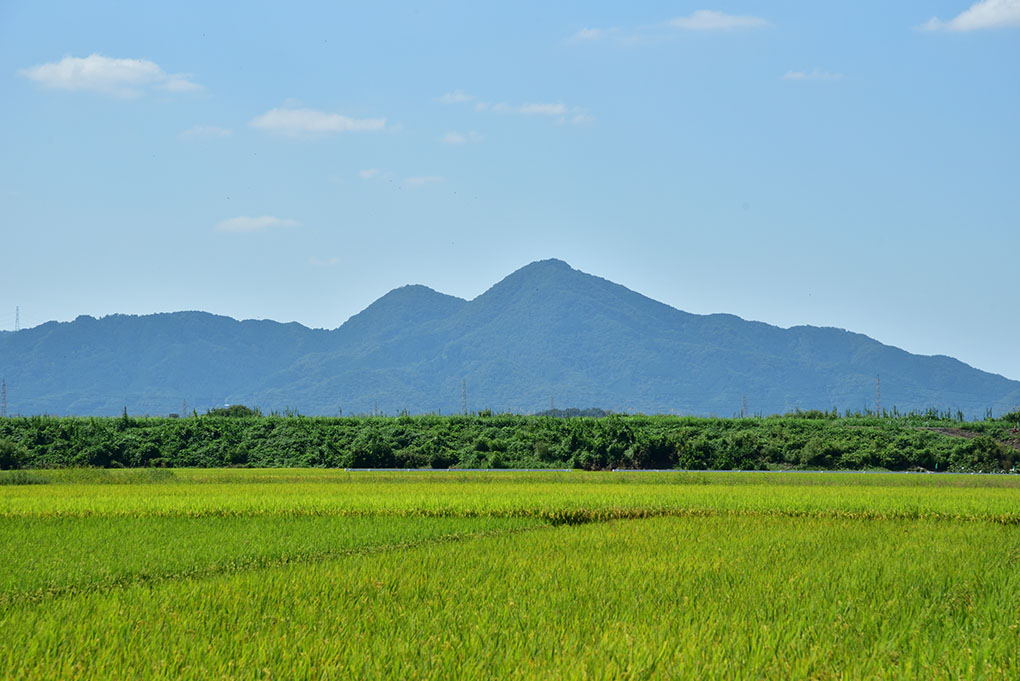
[697, 598]
[328, 574]
[44, 557]
[556, 497]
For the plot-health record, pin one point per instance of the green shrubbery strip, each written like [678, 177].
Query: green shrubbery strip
[797, 441]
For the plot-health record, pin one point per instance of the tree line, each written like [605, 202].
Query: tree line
[808, 440]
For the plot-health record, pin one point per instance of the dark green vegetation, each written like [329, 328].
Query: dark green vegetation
[809, 440]
[324, 574]
[546, 331]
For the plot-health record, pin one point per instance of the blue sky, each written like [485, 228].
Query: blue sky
[851, 164]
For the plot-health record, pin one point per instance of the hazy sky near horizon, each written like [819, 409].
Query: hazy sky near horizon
[848, 164]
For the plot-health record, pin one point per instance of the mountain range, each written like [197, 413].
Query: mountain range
[546, 335]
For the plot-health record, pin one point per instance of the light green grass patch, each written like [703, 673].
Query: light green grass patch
[329, 574]
[697, 598]
[557, 497]
[47, 556]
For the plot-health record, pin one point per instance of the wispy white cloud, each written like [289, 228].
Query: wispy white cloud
[539, 109]
[421, 181]
[205, 131]
[710, 20]
[811, 75]
[323, 262]
[118, 77]
[456, 97]
[499, 107]
[462, 137]
[623, 36]
[368, 173]
[242, 224]
[558, 111]
[984, 14]
[593, 34]
[300, 122]
[179, 83]
[704, 20]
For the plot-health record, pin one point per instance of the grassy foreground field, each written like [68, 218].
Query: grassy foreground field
[242, 574]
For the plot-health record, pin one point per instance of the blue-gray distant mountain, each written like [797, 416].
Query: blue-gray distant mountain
[546, 333]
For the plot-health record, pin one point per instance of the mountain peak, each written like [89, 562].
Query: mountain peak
[548, 263]
[411, 304]
[540, 271]
[415, 297]
[548, 280]
[543, 268]
[411, 293]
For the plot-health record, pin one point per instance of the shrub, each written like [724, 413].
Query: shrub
[12, 454]
[234, 410]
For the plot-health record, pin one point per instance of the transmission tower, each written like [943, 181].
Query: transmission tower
[743, 406]
[463, 396]
[3, 398]
[878, 395]
[17, 318]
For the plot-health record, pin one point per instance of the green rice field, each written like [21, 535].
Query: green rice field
[315, 574]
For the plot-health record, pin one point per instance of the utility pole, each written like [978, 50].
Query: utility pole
[463, 396]
[3, 398]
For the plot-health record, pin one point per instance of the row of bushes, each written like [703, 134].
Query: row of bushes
[499, 441]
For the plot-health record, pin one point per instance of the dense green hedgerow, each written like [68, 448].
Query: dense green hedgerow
[510, 441]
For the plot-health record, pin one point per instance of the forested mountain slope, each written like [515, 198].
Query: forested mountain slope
[545, 333]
